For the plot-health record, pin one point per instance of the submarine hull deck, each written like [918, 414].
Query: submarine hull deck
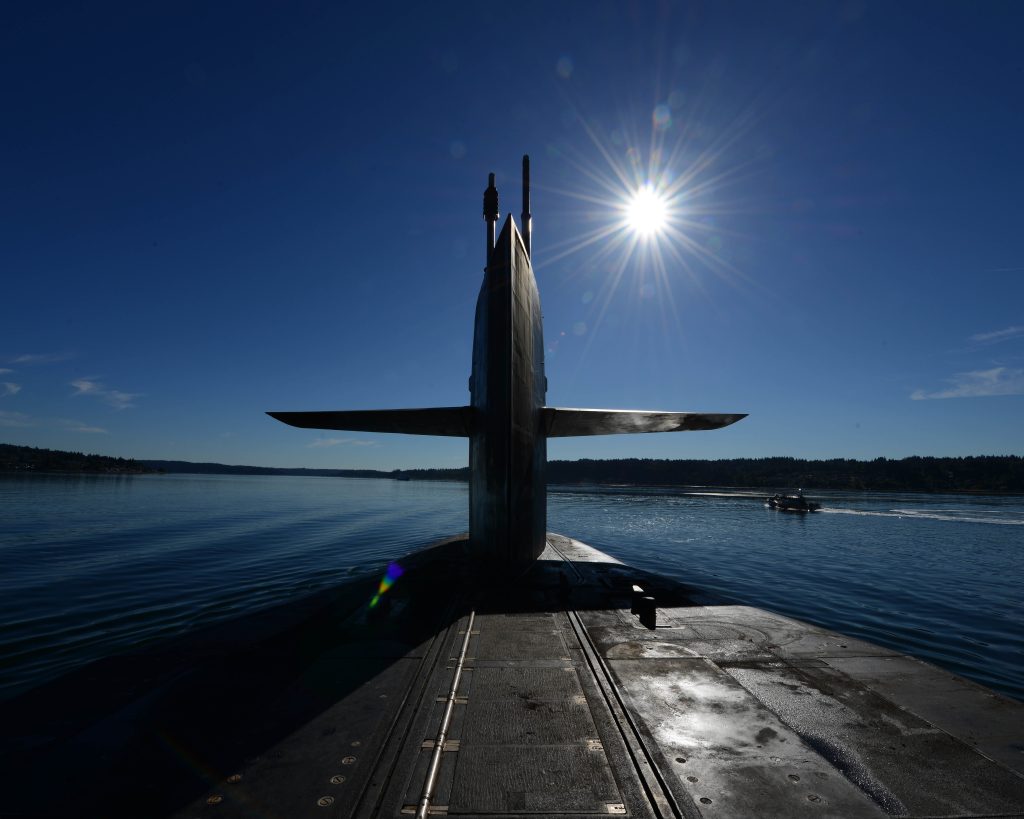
[559, 700]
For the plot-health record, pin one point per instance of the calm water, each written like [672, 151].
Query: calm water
[95, 565]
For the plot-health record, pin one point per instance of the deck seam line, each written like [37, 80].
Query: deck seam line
[427, 667]
[665, 803]
[572, 566]
[442, 733]
[620, 713]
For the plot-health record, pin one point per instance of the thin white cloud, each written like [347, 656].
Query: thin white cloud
[4, 371]
[85, 385]
[41, 358]
[978, 383]
[999, 335]
[84, 428]
[115, 398]
[321, 442]
[16, 419]
[9, 388]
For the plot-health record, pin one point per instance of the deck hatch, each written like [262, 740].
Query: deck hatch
[529, 738]
[521, 645]
[529, 779]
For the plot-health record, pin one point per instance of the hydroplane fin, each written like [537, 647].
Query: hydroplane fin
[559, 422]
[562, 423]
[452, 421]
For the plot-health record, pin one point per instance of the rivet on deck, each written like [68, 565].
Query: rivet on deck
[325, 801]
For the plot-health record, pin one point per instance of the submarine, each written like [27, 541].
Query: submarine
[511, 671]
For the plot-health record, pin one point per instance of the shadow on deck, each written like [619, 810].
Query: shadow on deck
[147, 733]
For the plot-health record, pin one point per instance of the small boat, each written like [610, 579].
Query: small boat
[793, 503]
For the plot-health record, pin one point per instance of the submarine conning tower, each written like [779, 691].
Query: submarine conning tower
[507, 446]
[507, 420]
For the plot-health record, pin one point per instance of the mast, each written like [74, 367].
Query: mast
[526, 217]
[490, 214]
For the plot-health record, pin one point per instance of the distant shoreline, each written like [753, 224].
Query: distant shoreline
[694, 490]
[972, 475]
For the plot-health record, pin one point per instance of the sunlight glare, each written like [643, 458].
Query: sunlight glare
[647, 211]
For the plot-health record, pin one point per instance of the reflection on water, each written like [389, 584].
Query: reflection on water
[94, 565]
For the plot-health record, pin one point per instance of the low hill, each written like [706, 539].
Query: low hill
[975, 474]
[229, 469]
[31, 459]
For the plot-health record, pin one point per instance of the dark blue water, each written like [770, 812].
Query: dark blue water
[95, 565]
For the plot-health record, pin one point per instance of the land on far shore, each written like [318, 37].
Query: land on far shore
[975, 474]
[32, 459]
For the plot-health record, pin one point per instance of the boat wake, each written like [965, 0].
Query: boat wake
[998, 517]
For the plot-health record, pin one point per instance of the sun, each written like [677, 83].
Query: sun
[647, 212]
[651, 220]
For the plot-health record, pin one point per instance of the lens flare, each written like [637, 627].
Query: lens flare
[647, 200]
[394, 571]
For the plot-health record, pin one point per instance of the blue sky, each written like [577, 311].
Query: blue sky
[212, 210]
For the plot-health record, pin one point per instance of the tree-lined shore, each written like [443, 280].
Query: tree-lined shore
[984, 473]
[32, 459]
[973, 474]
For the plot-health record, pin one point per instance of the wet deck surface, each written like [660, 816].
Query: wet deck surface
[566, 705]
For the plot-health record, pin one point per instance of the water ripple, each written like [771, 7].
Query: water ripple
[95, 565]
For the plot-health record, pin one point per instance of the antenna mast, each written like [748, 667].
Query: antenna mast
[490, 214]
[526, 216]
